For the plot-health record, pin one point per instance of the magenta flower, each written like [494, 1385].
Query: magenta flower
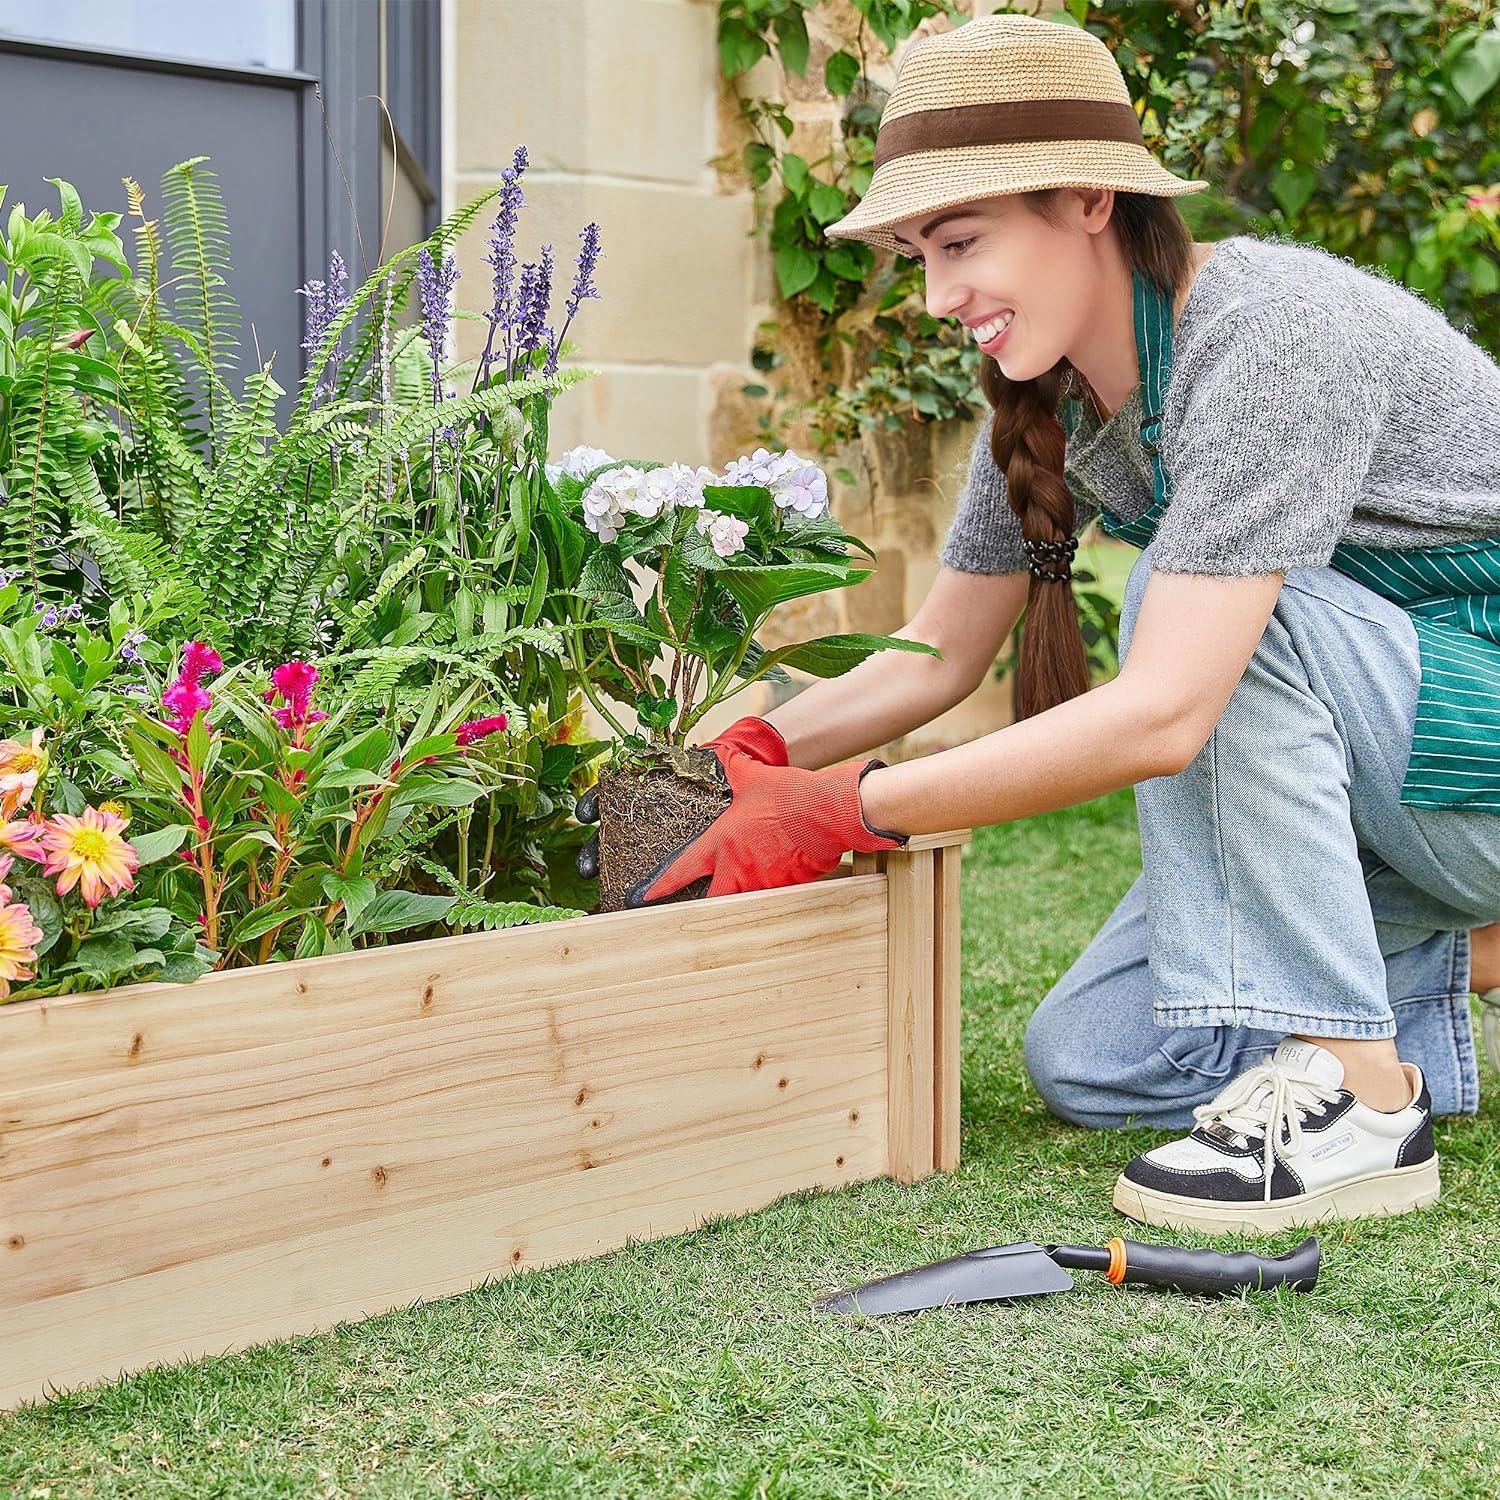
[293, 681]
[478, 729]
[184, 698]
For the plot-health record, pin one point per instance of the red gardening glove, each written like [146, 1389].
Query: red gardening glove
[758, 738]
[783, 826]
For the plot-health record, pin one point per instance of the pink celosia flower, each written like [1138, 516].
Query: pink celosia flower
[478, 729]
[294, 680]
[185, 698]
[23, 838]
[91, 853]
[197, 659]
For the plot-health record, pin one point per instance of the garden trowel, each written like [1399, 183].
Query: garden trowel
[1028, 1270]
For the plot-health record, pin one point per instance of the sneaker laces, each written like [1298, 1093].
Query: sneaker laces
[1269, 1097]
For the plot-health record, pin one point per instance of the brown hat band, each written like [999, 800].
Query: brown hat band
[1003, 122]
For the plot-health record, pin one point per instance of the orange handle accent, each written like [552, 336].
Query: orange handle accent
[1116, 1272]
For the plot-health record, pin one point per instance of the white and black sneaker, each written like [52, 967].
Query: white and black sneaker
[1285, 1144]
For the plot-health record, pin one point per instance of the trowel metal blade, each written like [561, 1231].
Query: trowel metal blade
[1023, 1270]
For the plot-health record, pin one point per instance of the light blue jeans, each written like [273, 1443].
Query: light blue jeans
[1284, 887]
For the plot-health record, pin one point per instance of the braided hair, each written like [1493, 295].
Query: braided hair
[1028, 444]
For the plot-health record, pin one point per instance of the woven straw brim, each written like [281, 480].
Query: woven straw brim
[926, 181]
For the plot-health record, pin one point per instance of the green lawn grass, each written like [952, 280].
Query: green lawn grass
[694, 1366]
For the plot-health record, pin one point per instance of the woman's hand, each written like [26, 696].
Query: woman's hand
[755, 737]
[783, 826]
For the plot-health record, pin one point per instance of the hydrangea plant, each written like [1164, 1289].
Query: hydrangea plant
[681, 568]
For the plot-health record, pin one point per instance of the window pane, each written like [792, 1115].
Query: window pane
[253, 33]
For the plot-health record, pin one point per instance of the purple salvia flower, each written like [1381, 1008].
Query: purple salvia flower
[502, 257]
[435, 279]
[533, 304]
[583, 285]
[326, 300]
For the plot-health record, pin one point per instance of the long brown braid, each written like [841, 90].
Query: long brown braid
[1028, 444]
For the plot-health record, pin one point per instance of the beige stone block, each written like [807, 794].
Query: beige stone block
[640, 414]
[673, 279]
[617, 86]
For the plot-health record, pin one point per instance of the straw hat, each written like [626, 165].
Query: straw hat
[1000, 105]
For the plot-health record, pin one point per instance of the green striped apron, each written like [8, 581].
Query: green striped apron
[1451, 592]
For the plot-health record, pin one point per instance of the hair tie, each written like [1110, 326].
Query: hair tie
[1050, 551]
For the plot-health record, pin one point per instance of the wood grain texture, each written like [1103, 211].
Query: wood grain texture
[910, 970]
[947, 1011]
[192, 1169]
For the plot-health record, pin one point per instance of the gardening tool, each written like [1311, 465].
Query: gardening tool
[1028, 1270]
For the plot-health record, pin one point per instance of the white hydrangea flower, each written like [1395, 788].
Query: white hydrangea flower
[795, 483]
[803, 489]
[577, 462]
[727, 533]
[677, 485]
[610, 498]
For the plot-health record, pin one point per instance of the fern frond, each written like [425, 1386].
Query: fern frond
[197, 231]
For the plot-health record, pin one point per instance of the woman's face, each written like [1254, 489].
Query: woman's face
[998, 255]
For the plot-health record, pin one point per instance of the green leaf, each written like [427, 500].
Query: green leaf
[833, 655]
[749, 502]
[739, 48]
[263, 918]
[794, 172]
[103, 958]
[840, 73]
[390, 911]
[432, 791]
[1293, 187]
[796, 268]
[1477, 68]
[355, 891]
[791, 41]
[760, 590]
[160, 842]
[197, 742]
[826, 203]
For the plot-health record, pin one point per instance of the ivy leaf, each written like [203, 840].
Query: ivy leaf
[840, 73]
[1477, 68]
[791, 40]
[1292, 188]
[794, 173]
[739, 47]
[796, 269]
[826, 202]
[844, 260]
[759, 159]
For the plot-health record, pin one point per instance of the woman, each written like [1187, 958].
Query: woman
[1309, 701]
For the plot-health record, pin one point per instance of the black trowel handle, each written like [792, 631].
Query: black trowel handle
[1211, 1272]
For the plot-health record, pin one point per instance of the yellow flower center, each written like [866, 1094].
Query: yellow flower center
[22, 762]
[91, 844]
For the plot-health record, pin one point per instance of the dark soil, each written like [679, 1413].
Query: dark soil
[644, 816]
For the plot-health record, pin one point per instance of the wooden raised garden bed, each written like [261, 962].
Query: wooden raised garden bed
[188, 1170]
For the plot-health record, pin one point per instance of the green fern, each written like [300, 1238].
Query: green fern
[198, 240]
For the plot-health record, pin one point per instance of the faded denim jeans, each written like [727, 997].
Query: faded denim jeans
[1284, 886]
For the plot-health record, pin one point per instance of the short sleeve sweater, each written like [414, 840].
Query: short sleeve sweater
[1311, 401]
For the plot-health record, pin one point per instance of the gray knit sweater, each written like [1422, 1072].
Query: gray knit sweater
[1311, 402]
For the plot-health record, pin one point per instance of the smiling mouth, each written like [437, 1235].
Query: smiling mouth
[987, 333]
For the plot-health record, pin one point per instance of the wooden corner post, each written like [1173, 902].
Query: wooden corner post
[922, 1016]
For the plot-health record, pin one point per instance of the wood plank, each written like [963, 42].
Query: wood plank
[303, 1282]
[943, 840]
[909, 1035]
[245, 1116]
[77, 1038]
[947, 1011]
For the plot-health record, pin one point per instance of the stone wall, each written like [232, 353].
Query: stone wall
[627, 121]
